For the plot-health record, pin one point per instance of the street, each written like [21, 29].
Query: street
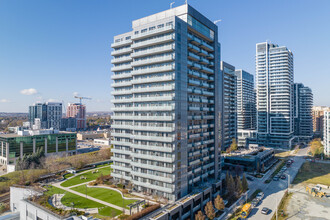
[275, 190]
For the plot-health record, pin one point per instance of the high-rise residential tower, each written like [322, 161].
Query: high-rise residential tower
[228, 105]
[246, 106]
[77, 111]
[274, 84]
[165, 122]
[318, 116]
[49, 113]
[326, 133]
[303, 119]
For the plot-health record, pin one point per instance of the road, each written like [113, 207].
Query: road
[275, 190]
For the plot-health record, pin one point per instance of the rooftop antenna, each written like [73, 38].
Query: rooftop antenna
[171, 4]
[215, 22]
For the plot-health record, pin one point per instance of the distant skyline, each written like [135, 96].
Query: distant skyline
[53, 50]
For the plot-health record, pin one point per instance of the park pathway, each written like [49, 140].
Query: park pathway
[58, 185]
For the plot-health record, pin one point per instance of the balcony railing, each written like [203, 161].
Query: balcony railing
[156, 31]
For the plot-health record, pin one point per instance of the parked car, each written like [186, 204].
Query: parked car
[276, 178]
[283, 177]
[265, 210]
[255, 202]
[260, 195]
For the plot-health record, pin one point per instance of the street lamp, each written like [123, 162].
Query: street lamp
[288, 181]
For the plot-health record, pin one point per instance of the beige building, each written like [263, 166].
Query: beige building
[92, 135]
[318, 116]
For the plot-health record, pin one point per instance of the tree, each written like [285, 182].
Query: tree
[199, 216]
[245, 184]
[238, 186]
[209, 210]
[316, 148]
[233, 146]
[227, 179]
[218, 203]
[231, 186]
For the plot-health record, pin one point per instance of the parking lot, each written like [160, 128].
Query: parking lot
[304, 206]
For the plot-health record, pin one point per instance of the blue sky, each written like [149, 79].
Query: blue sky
[50, 49]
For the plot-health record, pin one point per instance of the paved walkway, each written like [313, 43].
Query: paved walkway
[91, 198]
[86, 171]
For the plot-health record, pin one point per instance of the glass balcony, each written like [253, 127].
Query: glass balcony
[154, 79]
[121, 92]
[122, 168]
[154, 118]
[154, 138]
[121, 68]
[121, 76]
[155, 187]
[152, 167]
[121, 59]
[163, 59]
[166, 68]
[154, 108]
[154, 89]
[156, 50]
[155, 148]
[121, 51]
[121, 43]
[122, 84]
[206, 46]
[154, 41]
[153, 157]
[122, 117]
[153, 128]
[193, 56]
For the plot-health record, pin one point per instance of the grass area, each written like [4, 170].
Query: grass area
[81, 202]
[315, 173]
[279, 167]
[106, 195]
[281, 213]
[284, 154]
[89, 177]
[68, 175]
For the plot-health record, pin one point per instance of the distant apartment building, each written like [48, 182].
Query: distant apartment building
[318, 116]
[274, 85]
[49, 115]
[166, 94]
[77, 111]
[303, 119]
[326, 132]
[228, 105]
[246, 107]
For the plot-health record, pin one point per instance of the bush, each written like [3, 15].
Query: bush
[144, 212]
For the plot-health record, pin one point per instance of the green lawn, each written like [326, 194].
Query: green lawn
[106, 195]
[81, 202]
[89, 177]
[315, 173]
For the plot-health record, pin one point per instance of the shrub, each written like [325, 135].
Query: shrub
[144, 212]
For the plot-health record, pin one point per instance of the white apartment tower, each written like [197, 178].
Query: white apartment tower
[165, 88]
[274, 80]
[326, 133]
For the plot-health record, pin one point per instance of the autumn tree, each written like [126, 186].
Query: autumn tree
[245, 184]
[316, 148]
[199, 216]
[209, 210]
[233, 146]
[218, 203]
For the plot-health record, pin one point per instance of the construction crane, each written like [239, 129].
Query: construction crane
[79, 97]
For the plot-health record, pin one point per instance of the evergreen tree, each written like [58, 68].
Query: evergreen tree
[199, 216]
[238, 186]
[245, 184]
[209, 210]
[218, 203]
[231, 186]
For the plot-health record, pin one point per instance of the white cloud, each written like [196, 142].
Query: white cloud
[30, 91]
[75, 94]
[53, 100]
[4, 101]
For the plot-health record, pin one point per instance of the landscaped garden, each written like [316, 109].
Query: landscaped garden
[106, 195]
[70, 199]
[86, 177]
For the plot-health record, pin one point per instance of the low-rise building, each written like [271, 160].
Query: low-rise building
[251, 160]
[13, 146]
[92, 135]
[102, 141]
